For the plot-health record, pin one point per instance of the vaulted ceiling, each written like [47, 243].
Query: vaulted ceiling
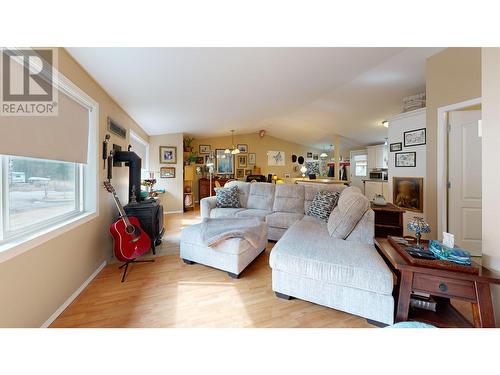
[304, 95]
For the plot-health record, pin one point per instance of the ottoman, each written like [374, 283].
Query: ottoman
[232, 255]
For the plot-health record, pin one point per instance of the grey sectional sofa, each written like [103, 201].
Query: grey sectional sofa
[347, 273]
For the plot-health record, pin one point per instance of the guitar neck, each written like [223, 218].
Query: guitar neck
[123, 214]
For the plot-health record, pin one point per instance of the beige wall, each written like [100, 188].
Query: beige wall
[172, 199]
[453, 76]
[491, 155]
[260, 146]
[34, 284]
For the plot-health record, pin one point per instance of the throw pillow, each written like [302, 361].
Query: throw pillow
[322, 204]
[349, 211]
[227, 197]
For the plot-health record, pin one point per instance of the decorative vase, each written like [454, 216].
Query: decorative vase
[188, 201]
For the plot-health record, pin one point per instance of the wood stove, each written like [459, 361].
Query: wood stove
[149, 212]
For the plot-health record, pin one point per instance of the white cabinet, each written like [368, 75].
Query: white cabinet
[377, 157]
[373, 188]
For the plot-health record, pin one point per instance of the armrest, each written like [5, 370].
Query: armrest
[206, 205]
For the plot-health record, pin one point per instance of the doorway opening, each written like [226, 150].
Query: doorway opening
[460, 175]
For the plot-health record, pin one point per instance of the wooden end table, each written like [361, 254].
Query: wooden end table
[443, 285]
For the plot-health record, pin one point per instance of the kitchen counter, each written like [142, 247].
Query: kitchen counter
[374, 180]
[325, 181]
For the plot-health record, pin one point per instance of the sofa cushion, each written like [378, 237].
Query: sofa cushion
[243, 190]
[323, 204]
[283, 219]
[289, 198]
[224, 212]
[252, 212]
[307, 250]
[227, 197]
[261, 196]
[349, 211]
[312, 188]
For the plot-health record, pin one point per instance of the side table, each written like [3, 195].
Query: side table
[443, 285]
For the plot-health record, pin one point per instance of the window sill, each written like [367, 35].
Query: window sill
[17, 247]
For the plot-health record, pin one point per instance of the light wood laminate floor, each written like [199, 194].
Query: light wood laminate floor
[169, 293]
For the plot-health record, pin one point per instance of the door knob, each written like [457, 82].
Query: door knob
[443, 287]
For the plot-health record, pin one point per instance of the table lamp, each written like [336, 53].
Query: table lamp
[419, 226]
[303, 169]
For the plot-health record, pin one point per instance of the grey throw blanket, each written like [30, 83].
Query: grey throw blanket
[213, 231]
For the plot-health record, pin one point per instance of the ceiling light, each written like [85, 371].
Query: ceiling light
[233, 149]
[385, 124]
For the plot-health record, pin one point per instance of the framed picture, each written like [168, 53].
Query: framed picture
[205, 149]
[252, 158]
[167, 172]
[200, 160]
[408, 193]
[242, 161]
[168, 155]
[248, 172]
[225, 162]
[240, 173]
[309, 155]
[206, 159]
[414, 137]
[405, 159]
[315, 156]
[276, 158]
[393, 147]
[243, 148]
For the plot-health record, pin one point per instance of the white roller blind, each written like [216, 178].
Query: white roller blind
[63, 137]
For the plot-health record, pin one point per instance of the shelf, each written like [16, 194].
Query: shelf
[446, 316]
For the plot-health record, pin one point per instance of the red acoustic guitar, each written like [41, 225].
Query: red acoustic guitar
[130, 241]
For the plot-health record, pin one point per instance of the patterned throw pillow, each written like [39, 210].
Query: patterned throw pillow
[227, 197]
[322, 205]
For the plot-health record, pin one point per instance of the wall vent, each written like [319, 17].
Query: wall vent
[116, 129]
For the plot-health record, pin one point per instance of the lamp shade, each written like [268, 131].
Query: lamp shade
[418, 225]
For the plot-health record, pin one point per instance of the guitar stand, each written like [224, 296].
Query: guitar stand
[132, 261]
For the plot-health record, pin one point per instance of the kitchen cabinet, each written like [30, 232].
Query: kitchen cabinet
[377, 157]
[372, 188]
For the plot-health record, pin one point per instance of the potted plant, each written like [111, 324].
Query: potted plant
[187, 144]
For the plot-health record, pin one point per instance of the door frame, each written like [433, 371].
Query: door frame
[352, 168]
[442, 161]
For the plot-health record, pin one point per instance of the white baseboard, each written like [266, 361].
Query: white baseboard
[174, 212]
[71, 298]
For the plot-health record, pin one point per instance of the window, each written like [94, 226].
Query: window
[360, 165]
[38, 193]
[141, 148]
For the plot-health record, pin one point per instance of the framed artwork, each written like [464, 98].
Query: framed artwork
[315, 156]
[168, 155]
[414, 137]
[309, 155]
[200, 160]
[405, 159]
[242, 161]
[408, 193]
[252, 158]
[205, 149]
[393, 147]
[276, 158]
[243, 148]
[206, 159]
[225, 162]
[167, 172]
[248, 172]
[240, 173]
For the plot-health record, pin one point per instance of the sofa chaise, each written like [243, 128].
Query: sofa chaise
[307, 262]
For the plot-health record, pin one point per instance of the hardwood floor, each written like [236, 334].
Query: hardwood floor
[169, 293]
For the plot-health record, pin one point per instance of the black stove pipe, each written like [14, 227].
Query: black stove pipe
[134, 172]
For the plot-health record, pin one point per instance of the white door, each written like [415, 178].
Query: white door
[359, 168]
[464, 170]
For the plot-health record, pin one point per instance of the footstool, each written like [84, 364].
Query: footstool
[232, 255]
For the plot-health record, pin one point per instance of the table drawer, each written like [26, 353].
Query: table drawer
[444, 287]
